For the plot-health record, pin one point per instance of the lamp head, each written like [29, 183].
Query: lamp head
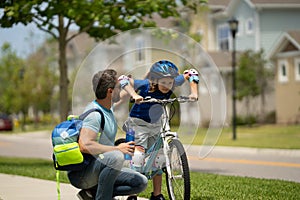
[233, 25]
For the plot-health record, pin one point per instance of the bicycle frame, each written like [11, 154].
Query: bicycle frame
[162, 141]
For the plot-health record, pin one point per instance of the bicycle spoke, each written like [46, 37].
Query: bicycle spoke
[178, 182]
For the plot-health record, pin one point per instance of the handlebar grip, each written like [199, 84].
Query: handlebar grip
[131, 100]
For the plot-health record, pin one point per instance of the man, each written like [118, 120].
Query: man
[105, 174]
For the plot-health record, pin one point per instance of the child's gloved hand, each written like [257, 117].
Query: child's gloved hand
[192, 75]
[193, 96]
[137, 98]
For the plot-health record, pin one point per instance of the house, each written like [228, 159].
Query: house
[285, 55]
[261, 23]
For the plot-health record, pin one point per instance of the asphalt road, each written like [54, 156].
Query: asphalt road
[246, 162]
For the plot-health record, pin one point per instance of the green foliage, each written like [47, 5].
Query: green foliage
[246, 120]
[25, 84]
[41, 87]
[247, 75]
[270, 118]
[252, 78]
[100, 19]
[11, 86]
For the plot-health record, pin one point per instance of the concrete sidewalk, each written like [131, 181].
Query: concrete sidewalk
[24, 188]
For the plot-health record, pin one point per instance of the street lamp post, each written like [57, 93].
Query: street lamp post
[233, 25]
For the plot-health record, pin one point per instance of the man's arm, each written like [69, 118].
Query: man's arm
[88, 144]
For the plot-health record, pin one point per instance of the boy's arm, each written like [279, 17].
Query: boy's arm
[193, 77]
[194, 90]
[127, 85]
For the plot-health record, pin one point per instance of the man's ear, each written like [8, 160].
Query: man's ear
[110, 90]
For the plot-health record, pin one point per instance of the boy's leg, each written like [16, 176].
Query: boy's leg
[156, 194]
[157, 181]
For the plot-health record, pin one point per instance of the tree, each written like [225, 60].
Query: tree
[25, 84]
[12, 70]
[252, 77]
[264, 76]
[42, 87]
[13, 98]
[100, 19]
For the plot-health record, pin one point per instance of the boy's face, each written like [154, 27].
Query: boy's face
[165, 84]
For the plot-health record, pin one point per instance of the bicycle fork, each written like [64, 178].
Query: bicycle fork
[166, 149]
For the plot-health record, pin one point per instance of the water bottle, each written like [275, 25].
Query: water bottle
[129, 137]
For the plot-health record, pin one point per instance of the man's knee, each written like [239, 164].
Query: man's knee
[113, 159]
[140, 183]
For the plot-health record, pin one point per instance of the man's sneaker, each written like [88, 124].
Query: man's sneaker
[85, 195]
[158, 197]
[132, 197]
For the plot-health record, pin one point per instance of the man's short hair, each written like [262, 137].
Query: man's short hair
[103, 80]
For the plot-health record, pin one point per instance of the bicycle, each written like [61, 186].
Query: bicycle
[176, 167]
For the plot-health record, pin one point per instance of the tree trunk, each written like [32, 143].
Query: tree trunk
[63, 69]
[263, 104]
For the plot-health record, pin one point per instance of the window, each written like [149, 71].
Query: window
[223, 37]
[283, 71]
[297, 69]
[249, 26]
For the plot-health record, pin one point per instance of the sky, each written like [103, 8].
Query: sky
[23, 39]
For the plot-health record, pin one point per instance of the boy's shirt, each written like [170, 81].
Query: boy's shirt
[151, 112]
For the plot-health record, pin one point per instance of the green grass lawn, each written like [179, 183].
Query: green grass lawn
[204, 186]
[264, 136]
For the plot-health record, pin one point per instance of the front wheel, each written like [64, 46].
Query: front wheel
[178, 175]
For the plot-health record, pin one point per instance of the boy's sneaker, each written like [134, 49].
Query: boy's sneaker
[134, 197]
[85, 195]
[158, 197]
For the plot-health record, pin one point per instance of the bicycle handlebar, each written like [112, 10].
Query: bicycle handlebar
[181, 99]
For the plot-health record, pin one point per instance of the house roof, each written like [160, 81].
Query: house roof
[218, 3]
[288, 41]
[222, 59]
[226, 7]
[276, 3]
[295, 35]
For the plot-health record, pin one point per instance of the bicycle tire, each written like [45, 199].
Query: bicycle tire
[178, 184]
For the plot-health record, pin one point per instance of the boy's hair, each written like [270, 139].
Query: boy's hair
[103, 80]
[153, 86]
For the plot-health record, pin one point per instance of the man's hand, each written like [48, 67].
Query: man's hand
[127, 148]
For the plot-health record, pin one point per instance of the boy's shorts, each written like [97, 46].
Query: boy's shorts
[145, 133]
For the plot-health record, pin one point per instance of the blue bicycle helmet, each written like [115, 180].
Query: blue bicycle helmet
[163, 69]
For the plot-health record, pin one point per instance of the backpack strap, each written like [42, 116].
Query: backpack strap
[85, 114]
[57, 184]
